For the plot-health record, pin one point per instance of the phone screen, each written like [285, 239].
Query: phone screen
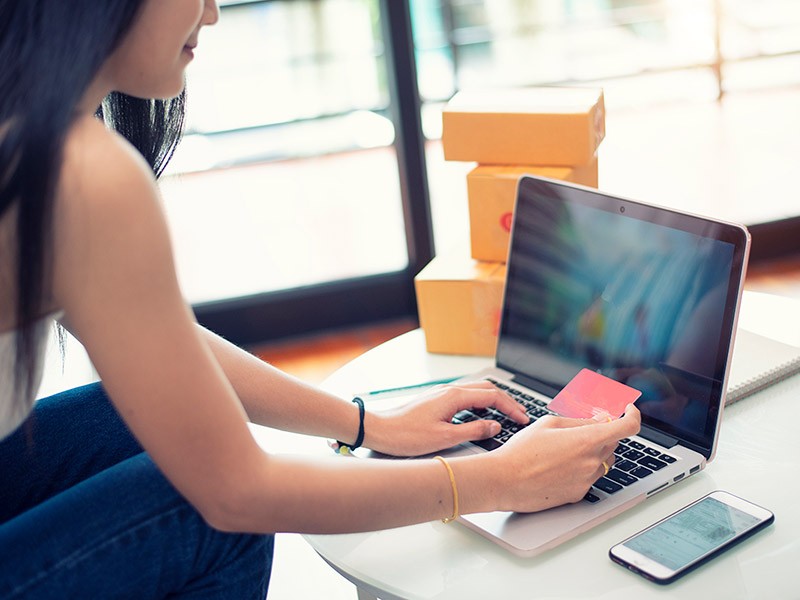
[690, 536]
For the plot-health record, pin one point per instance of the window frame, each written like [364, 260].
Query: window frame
[286, 313]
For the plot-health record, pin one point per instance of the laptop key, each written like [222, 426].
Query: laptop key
[493, 414]
[463, 415]
[538, 412]
[506, 424]
[636, 445]
[667, 458]
[488, 444]
[590, 497]
[652, 463]
[651, 451]
[620, 477]
[633, 455]
[625, 465]
[641, 472]
[607, 486]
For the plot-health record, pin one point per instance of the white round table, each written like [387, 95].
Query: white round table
[758, 458]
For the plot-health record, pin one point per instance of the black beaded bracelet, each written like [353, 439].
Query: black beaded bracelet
[341, 446]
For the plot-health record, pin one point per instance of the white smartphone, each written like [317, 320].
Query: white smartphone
[688, 538]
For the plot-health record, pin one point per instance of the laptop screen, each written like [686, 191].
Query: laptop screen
[644, 295]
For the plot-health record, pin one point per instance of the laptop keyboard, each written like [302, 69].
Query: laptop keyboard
[634, 460]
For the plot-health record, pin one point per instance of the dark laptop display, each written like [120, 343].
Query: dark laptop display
[643, 295]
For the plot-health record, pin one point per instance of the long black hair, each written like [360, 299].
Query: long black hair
[50, 52]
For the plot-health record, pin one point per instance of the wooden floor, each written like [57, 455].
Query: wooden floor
[314, 358]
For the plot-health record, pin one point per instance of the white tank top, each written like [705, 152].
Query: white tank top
[14, 410]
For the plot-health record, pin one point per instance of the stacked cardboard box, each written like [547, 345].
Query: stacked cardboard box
[551, 132]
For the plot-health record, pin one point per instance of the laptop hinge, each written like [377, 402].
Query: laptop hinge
[657, 437]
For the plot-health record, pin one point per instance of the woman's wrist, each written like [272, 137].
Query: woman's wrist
[347, 443]
[377, 432]
[479, 481]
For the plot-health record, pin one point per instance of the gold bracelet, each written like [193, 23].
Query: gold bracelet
[455, 490]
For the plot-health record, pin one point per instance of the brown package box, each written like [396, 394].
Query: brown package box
[560, 126]
[459, 301]
[492, 192]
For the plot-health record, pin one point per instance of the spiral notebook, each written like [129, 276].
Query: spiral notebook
[759, 362]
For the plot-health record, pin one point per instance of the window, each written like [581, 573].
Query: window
[646, 54]
[289, 177]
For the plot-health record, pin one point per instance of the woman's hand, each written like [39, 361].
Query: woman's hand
[425, 424]
[556, 460]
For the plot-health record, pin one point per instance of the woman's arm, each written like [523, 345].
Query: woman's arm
[278, 400]
[550, 463]
[115, 279]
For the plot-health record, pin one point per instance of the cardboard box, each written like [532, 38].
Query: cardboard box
[560, 126]
[492, 191]
[459, 301]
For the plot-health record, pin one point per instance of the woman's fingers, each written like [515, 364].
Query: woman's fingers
[476, 430]
[604, 432]
[605, 465]
[628, 424]
[483, 394]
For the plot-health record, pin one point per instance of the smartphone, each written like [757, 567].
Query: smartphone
[688, 538]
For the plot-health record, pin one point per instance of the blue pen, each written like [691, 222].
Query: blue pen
[409, 387]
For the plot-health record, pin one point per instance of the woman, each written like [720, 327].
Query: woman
[151, 485]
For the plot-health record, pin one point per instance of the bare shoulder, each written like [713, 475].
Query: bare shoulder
[100, 167]
[108, 217]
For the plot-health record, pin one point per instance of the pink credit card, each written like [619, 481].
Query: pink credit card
[590, 394]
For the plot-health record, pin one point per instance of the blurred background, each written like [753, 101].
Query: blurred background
[310, 187]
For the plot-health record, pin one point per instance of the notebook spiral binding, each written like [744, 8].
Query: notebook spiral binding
[763, 380]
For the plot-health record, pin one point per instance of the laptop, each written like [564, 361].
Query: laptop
[645, 295]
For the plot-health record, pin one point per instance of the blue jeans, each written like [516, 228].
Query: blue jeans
[85, 513]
